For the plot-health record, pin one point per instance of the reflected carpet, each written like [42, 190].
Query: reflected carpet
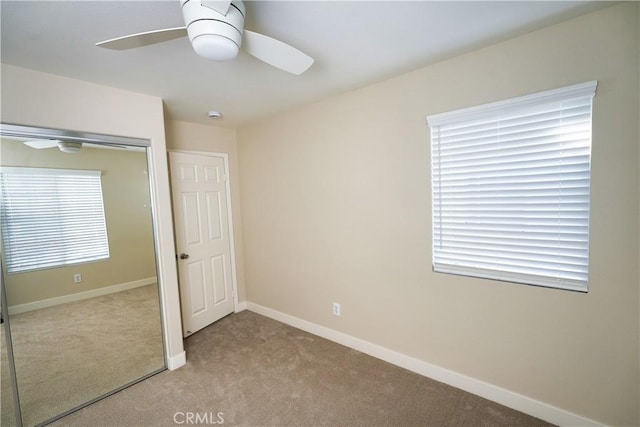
[71, 353]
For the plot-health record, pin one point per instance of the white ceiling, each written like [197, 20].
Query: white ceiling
[354, 44]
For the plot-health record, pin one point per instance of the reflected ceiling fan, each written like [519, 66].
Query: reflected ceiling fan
[216, 31]
[65, 146]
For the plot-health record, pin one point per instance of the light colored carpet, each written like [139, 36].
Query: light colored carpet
[69, 354]
[250, 370]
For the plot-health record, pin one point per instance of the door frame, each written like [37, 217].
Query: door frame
[227, 187]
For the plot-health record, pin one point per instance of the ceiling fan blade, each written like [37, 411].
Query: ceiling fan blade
[276, 53]
[143, 39]
[222, 7]
[39, 144]
[109, 146]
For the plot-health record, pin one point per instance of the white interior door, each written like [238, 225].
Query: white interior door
[203, 238]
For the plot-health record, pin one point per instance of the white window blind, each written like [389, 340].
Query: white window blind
[51, 218]
[511, 185]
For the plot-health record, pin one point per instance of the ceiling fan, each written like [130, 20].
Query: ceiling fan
[65, 146]
[216, 31]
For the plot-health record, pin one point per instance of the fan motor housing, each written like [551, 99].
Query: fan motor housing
[213, 35]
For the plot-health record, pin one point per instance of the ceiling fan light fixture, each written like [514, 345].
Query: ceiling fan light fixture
[69, 147]
[212, 35]
[215, 47]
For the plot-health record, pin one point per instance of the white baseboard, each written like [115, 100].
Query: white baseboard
[494, 393]
[23, 308]
[177, 361]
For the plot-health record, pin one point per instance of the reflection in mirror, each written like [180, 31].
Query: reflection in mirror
[85, 320]
[8, 393]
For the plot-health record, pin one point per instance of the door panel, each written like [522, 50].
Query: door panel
[214, 215]
[219, 280]
[202, 235]
[212, 174]
[197, 287]
[190, 206]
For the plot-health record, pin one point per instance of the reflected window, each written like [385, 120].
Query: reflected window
[51, 218]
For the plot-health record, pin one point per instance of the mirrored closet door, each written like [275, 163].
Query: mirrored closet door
[78, 271]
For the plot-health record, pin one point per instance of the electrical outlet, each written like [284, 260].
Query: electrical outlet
[77, 278]
[336, 309]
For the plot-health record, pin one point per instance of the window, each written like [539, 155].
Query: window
[510, 186]
[51, 218]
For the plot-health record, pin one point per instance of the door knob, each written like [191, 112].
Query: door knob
[184, 256]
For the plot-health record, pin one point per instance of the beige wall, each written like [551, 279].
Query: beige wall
[43, 100]
[336, 207]
[214, 139]
[127, 214]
